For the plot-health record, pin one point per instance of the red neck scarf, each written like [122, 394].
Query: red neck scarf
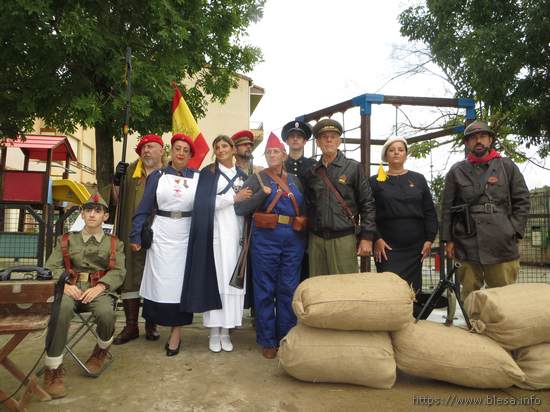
[493, 154]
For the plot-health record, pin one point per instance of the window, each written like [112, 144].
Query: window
[87, 156]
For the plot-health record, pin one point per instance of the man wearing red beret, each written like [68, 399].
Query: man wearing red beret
[150, 150]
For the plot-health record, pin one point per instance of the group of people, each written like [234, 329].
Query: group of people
[187, 234]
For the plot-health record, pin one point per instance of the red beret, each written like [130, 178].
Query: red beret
[243, 136]
[148, 138]
[273, 142]
[183, 138]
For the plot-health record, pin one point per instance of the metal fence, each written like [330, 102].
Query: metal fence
[22, 235]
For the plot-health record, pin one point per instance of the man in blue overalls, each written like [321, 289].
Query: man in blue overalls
[277, 245]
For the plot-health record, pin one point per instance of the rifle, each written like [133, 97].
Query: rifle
[241, 269]
[125, 128]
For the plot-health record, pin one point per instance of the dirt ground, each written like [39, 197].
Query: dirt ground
[142, 378]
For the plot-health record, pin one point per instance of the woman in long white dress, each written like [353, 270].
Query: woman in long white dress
[169, 195]
[214, 247]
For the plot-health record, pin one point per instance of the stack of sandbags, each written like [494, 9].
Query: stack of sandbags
[342, 334]
[518, 318]
[452, 354]
[534, 361]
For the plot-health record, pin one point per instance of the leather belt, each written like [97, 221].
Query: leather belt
[174, 215]
[285, 220]
[485, 208]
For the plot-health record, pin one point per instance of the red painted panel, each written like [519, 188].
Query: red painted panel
[20, 186]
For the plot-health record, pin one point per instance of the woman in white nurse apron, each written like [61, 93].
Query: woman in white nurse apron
[169, 195]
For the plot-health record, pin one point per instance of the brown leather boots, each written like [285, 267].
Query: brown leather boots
[96, 360]
[131, 330]
[54, 382]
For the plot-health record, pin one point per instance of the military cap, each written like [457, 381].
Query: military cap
[96, 199]
[296, 126]
[327, 125]
[478, 126]
[243, 136]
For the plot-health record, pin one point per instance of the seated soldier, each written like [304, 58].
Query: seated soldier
[95, 264]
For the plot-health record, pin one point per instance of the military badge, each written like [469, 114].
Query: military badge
[342, 179]
[492, 180]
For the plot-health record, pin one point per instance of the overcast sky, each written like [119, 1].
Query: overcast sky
[318, 53]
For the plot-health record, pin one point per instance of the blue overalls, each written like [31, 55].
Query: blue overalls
[276, 264]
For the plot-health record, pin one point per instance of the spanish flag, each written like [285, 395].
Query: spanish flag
[184, 122]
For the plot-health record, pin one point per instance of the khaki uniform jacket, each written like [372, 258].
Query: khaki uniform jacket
[135, 261]
[496, 234]
[90, 256]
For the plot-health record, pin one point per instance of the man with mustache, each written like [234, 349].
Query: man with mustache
[485, 208]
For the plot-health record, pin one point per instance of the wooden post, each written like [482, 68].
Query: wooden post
[365, 160]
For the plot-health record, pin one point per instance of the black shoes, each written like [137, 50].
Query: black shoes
[172, 352]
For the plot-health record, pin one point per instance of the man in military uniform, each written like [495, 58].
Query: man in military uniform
[485, 208]
[150, 150]
[244, 143]
[95, 264]
[295, 134]
[338, 193]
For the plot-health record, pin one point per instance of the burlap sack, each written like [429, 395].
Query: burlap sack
[515, 316]
[360, 301]
[452, 354]
[534, 361]
[324, 355]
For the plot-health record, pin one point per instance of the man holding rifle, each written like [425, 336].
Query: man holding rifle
[485, 209]
[150, 150]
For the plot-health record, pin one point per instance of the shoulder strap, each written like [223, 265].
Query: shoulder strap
[65, 252]
[323, 174]
[230, 182]
[282, 183]
[112, 255]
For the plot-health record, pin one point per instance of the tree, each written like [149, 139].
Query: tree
[64, 61]
[497, 51]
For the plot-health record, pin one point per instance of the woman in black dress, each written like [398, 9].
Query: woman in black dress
[405, 217]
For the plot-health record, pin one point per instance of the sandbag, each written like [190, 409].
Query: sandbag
[515, 316]
[324, 355]
[359, 301]
[452, 354]
[534, 361]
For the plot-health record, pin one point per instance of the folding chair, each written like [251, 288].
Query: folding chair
[88, 323]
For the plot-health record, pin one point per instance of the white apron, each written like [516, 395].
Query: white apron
[165, 263]
[228, 229]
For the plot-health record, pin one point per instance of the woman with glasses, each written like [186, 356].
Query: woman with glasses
[168, 197]
[277, 245]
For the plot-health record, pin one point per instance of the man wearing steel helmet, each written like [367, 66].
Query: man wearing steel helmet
[150, 150]
[485, 208]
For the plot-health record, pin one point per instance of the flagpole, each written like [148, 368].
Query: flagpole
[125, 128]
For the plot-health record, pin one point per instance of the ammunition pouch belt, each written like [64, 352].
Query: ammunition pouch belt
[271, 220]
